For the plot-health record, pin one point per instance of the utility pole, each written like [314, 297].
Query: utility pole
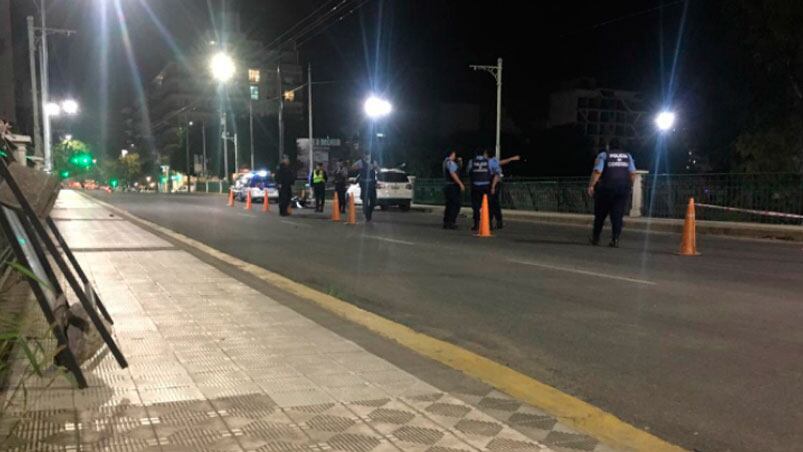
[236, 156]
[37, 132]
[251, 128]
[309, 112]
[281, 111]
[45, 94]
[496, 72]
[203, 138]
[187, 144]
[225, 137]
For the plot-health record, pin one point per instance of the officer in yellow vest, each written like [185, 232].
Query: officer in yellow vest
[319, 186]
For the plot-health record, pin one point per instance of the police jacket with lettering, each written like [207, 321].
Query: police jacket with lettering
[479, 171]
[616, 169]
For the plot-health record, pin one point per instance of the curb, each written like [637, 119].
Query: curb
[724, 228]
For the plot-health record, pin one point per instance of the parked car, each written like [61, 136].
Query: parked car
[393, 188]
[258, 183]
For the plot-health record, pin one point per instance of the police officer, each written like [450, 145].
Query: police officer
[479, 172]
[285, 177]
[452, 190]
[341, 182]
[495, 200]
[610, 185]
[367, 170]
[318, 180]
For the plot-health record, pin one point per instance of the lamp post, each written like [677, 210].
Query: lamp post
[376, 108]
[222, 68]
[496, 72]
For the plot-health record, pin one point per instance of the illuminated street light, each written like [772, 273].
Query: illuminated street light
[376, 107]
[69, 107]
[67, 137]
[222, 67]
[123, 153]
[665, 120]
[52, 109]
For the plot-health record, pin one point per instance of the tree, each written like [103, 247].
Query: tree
[73, 158]
[130, 167]
[771, 38]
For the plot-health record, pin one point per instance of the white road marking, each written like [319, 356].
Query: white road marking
[584, 272]
[385, 239]
[302, 225]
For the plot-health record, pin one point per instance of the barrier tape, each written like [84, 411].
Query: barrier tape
[767, 213]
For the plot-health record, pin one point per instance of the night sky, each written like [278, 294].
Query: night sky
[414, 51]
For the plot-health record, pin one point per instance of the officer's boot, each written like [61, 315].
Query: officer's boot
[614, 243]
[594, 240]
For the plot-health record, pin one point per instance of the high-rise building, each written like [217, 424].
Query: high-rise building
[601, 113]
[184, 92]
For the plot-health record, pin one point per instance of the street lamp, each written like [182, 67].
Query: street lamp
[123, 153]
[69, 106]
[376, 107]
[222, 68]
[665, 120]
[52, 109]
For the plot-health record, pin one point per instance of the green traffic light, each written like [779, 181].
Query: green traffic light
[64, 174]
[114, 182]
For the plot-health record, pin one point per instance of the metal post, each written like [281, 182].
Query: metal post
[203, 166]
[236, 155]
[251, 129]
[309, 111]
[281, 111]
[225, 146]
[37, 133]
[498, 107]
[187, 147]
[45, 93]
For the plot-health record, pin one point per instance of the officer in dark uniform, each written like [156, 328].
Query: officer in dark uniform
[452, 190]
[610, 185]
[285, 177]
[367, 170]
[479, 172]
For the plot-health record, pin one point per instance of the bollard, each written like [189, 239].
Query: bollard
[248, 200]
[485, 219]
[352, 210]
[688, 243]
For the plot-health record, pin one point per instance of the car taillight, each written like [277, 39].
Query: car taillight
[409, 186]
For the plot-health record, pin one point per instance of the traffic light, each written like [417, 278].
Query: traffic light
[81, 160]
[113, 182]
[64, 174]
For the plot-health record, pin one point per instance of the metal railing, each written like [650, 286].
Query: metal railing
[664, 195]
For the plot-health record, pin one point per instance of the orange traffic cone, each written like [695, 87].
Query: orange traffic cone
[335, 208]
[688, 244]
[248, 200]
[265, 201]
[231, 198]
[485, 219]
[352, 211]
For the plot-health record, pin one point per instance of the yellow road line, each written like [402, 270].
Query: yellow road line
[570, 410]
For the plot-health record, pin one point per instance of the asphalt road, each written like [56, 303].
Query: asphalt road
[706, 352]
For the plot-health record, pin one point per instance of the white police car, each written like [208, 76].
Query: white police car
[259, 183]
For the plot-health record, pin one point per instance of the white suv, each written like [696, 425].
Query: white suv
[393, 188]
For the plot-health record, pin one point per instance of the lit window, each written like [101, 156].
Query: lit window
[253, 75]
[254, 92]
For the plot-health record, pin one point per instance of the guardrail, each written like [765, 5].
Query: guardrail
[661, 196]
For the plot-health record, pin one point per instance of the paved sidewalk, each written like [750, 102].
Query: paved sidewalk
[218, 365]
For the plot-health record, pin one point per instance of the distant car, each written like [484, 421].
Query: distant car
[393, 188]
[258, 183]
[182, 189]
[90, 185]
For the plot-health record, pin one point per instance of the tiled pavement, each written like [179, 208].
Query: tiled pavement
[217, 365]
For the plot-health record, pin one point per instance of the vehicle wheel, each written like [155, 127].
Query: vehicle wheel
[404, 207]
